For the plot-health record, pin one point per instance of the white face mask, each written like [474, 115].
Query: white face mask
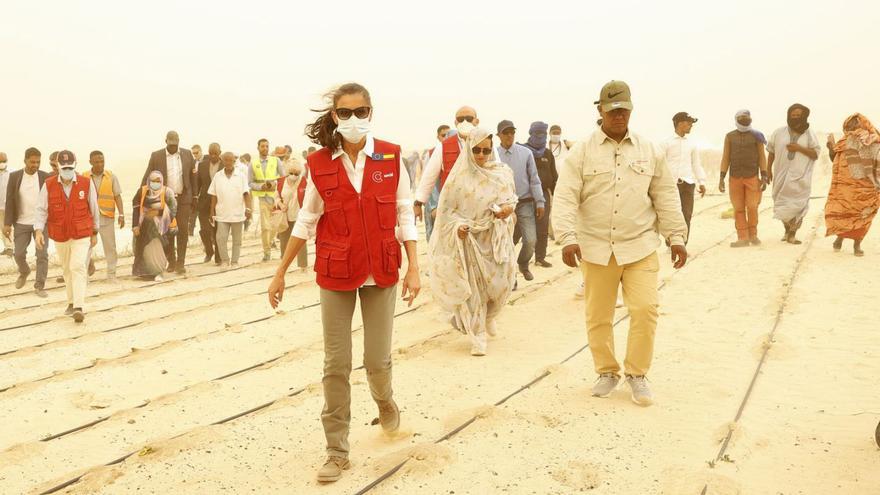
[3, 166]
[67, 173]
[353, 129]
[464, 128]
[555, 138]
[155, 186]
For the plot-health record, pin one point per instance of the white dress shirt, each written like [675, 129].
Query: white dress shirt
[175, 172]
[313, 204]
[431, 173]
[683, 160]
[28, 194]
[229, 191]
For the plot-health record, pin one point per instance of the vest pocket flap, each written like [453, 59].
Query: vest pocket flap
[326, 177]
[391, 255]
[323, 171]
[332, 260]
[387, 206]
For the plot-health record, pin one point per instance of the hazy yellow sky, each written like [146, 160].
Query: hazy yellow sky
[116, 75]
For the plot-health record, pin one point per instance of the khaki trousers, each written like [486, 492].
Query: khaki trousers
[74, 257]
[745, 196]
[639, 281]
[266, 233]
[337, 309]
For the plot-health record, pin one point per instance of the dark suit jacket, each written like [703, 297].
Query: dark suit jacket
[158, 162]
[203, 182]
[12, 193]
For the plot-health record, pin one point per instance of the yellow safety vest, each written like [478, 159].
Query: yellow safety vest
[106, 200]
[271, 174]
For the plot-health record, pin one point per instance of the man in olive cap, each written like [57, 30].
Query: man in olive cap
[613, 195]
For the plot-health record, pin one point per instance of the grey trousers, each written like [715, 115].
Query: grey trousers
[337, 309]
[107, 232]
[23, 234]
[223, 229]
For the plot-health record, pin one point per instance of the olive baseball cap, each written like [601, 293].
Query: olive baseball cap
[614, 95]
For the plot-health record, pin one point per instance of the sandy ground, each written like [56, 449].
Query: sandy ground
[195, 385]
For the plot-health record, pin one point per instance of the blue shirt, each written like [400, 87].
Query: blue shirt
[525, 172]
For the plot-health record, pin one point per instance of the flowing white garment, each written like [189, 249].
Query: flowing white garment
[472, 277]
[792, 176]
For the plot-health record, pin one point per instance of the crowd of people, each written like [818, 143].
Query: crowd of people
[604, 199]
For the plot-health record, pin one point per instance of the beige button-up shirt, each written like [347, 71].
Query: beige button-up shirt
[613, 198]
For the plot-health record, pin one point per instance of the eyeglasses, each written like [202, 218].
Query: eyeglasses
[469, 118]
[346, 113]
[478, 150]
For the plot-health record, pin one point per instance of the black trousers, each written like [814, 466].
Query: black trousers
[176, 250]
[208, 233]
[543, 228]
[686, 195]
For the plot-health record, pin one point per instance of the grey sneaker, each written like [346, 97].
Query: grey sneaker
[389, 415]
[332, 469]
[41, 293]
[641, 393]
[606, 384]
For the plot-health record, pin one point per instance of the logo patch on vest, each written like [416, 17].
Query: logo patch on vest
[82, 194]
[379, 157]
[377, 177]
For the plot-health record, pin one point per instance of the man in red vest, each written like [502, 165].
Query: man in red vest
[440, 164]
[67, 209]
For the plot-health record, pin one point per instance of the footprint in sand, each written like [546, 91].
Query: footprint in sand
[578, 475]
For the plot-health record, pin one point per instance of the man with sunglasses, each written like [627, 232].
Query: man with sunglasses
[440, 164]
[614, 194]
[530, 207]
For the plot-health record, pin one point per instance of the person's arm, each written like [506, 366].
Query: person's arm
[212, 192]
[554, 174]
[136, 209]
[664, 195]
[697, 165]
[120, 207]
[171, 202]
[10, 204]
[725, 164]
[247, 204]
[566, 202]
[762, 158]
[93, 206]
[42, 212]
[252, 180]
[812, 149]
[534, 180]
[771, 158]
[430, 175]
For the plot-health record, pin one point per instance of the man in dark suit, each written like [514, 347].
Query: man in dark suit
[176, 165]
[207, 169]
[22, 193]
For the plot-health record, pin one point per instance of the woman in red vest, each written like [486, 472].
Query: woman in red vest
[356, 204]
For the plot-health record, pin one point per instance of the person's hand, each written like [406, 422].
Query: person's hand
[417, 211]
[276, 291]
[93, 241]
[721, 186]
[702, 191]
[831, 140]
[571, 255]
[136, 231]
[792, 147]
[121, 222]
[7, 231]
[539, 212]
[41, 241]
[212, 221]
[248, 214]
[434, 214]
[463, 231]
[679, 256]
[411, 286]
[765, 179]
[505, 212]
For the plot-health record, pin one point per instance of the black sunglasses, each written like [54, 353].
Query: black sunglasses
[469, 118]
[346, 113]
[477, 150]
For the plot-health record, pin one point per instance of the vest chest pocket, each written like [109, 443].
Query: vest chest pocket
[391, 255]
[332, 260]
[336, 217]
[387, 206]
[327, 177]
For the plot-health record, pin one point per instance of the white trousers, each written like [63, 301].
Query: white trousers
[74, 257]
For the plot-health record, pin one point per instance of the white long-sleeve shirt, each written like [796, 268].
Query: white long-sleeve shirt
[683, 160]
[431, 173]
[42, 213]
[313, 204]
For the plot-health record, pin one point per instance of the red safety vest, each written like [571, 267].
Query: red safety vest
[355, 236]
[451, 150]
[69, 218]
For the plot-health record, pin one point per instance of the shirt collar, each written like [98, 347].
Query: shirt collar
[604, 137]
[168, 155]
[366, 150]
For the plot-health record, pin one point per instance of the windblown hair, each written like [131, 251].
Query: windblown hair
[323, 130]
